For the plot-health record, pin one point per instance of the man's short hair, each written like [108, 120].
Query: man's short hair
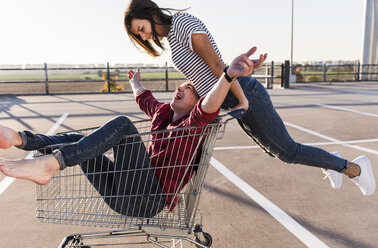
[195, 91]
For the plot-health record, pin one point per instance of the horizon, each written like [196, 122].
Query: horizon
[2, 66]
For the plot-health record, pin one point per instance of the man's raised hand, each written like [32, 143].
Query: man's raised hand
[134, 75]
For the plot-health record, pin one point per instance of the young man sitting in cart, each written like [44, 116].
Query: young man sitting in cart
[186, 109]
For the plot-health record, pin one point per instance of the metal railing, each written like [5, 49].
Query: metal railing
[336, 73]
[91, 79]
[51, 80]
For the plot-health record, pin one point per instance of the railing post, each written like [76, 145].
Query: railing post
[166, 76]
[282, 75]
[358, 71]
[324, 72]
[287, 74]
[108, 73]
[46, 80]
[272, 75]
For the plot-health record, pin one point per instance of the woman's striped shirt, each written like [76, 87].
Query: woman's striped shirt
[184, 58]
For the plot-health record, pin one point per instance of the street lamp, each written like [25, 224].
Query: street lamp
[292, 31]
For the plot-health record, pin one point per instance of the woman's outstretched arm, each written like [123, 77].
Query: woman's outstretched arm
[240, 66]
[203, 47]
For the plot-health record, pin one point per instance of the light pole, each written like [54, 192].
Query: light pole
[292, 31]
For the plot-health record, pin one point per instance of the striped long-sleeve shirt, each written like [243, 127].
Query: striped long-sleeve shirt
[184, 58]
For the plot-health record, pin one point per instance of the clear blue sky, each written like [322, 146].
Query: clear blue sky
[91, 31]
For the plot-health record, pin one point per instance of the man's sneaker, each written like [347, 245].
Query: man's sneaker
[365, 181]
[334, 177]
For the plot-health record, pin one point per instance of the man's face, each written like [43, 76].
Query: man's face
[184, 98]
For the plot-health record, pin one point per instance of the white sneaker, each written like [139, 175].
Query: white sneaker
[365, 181]
[334, 177]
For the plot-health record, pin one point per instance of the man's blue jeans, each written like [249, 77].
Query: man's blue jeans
[129, 186]
[265, 127]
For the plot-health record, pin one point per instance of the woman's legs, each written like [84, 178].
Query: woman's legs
[265, 127]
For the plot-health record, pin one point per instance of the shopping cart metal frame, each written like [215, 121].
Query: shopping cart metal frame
[167, 227]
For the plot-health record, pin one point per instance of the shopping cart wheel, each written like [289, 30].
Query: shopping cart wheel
[73, 241]
[208, 240]
[81, 244]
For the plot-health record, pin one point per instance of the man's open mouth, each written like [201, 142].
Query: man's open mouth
[178, 96]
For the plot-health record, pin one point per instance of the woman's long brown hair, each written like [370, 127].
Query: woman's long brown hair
[148, 10]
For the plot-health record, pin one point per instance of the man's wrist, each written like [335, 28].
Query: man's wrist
[133, 80]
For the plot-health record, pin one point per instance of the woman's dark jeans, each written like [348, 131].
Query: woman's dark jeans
[265, 127]
[135, 192]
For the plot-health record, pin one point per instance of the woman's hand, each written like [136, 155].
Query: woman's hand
[243, 66]
[239, 94]
[240, 106]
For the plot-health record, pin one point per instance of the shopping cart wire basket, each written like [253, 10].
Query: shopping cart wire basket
[109, 191]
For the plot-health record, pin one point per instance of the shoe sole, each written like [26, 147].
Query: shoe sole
[370, 170]
[340, 180]
[339, 175]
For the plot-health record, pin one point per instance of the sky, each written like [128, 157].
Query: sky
[92, 32]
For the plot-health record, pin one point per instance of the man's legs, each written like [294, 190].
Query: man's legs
[9, 137]
[75, 148]
[37, 170]
[118, 189]
[137, 178]
[130, 187]
[129, 184]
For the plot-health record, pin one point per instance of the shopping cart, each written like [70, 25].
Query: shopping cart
[73, 195]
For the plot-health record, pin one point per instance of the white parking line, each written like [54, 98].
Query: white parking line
[294, 227]
[7, 181]
[288, 222]
[348, 110]
[330, 139]
[220, 148]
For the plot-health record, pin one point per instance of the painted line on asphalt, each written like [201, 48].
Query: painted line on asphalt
[220, 148]
[7, 181]
[348, 110]
[331, 139]
[288, 222]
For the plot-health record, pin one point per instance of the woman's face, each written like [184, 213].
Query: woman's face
[142, 27]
